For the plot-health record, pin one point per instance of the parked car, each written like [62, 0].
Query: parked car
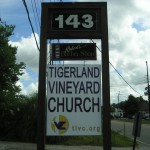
[147, 118]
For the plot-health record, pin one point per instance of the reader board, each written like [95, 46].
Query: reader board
[73, 100]
[74, 20]
[74, 51]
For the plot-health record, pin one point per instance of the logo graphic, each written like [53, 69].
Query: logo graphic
[60, 124]
[57, 51]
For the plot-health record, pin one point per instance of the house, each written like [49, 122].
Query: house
[118, 113]
[144, 109]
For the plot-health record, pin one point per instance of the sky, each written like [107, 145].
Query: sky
[129, 34]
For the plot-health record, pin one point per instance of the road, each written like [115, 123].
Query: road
[126, 129]
[31, 146]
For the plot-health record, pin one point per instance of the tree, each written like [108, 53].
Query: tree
[10, 70]
[121, 105]
[147, 89]
[131, 106]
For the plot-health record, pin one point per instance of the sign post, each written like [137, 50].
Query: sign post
[80, 21]
[137, 127]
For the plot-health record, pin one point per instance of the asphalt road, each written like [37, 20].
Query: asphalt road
[31, 146]
[126, 129]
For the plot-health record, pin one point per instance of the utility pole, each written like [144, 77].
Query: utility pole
[118, 104]
[148, 88]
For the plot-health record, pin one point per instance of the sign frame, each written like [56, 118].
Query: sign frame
[105, 68]
[79, 8]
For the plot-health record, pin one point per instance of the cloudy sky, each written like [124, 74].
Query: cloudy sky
[129, 34]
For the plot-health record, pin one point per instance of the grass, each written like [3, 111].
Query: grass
[146, 122]
[118, 140]
[84, 140]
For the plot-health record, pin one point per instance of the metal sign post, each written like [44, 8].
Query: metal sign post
[137, 127]
[80, 21]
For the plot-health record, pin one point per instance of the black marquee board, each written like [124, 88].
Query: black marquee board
[74, 51]
[74, 20]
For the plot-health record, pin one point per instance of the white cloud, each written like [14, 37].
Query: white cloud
[27, 51]
[29, 89]
[129, 34]
[32, 88]
[27, 83]
[25, 75]
[19, 83]
[129, 47]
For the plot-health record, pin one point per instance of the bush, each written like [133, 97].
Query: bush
[19, 121]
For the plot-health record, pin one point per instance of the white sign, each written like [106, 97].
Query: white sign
[73, 100]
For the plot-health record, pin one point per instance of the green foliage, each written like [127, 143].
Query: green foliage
[10, 70]
[27, 119]
[147, 90]
[84, 140]
[118, 140]
[112, 108]
[18, 122]
[131, 106]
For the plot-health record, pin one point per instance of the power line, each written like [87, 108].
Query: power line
[124, 79]
[36, 8]
[35, 16]
[118, 72]
[24, 2]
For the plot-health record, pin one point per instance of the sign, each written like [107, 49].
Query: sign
[74, 20]
[100, 32]
[73, 100]
[137, 124]
[74, 51]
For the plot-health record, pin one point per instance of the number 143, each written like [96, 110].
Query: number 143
[86, 21]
